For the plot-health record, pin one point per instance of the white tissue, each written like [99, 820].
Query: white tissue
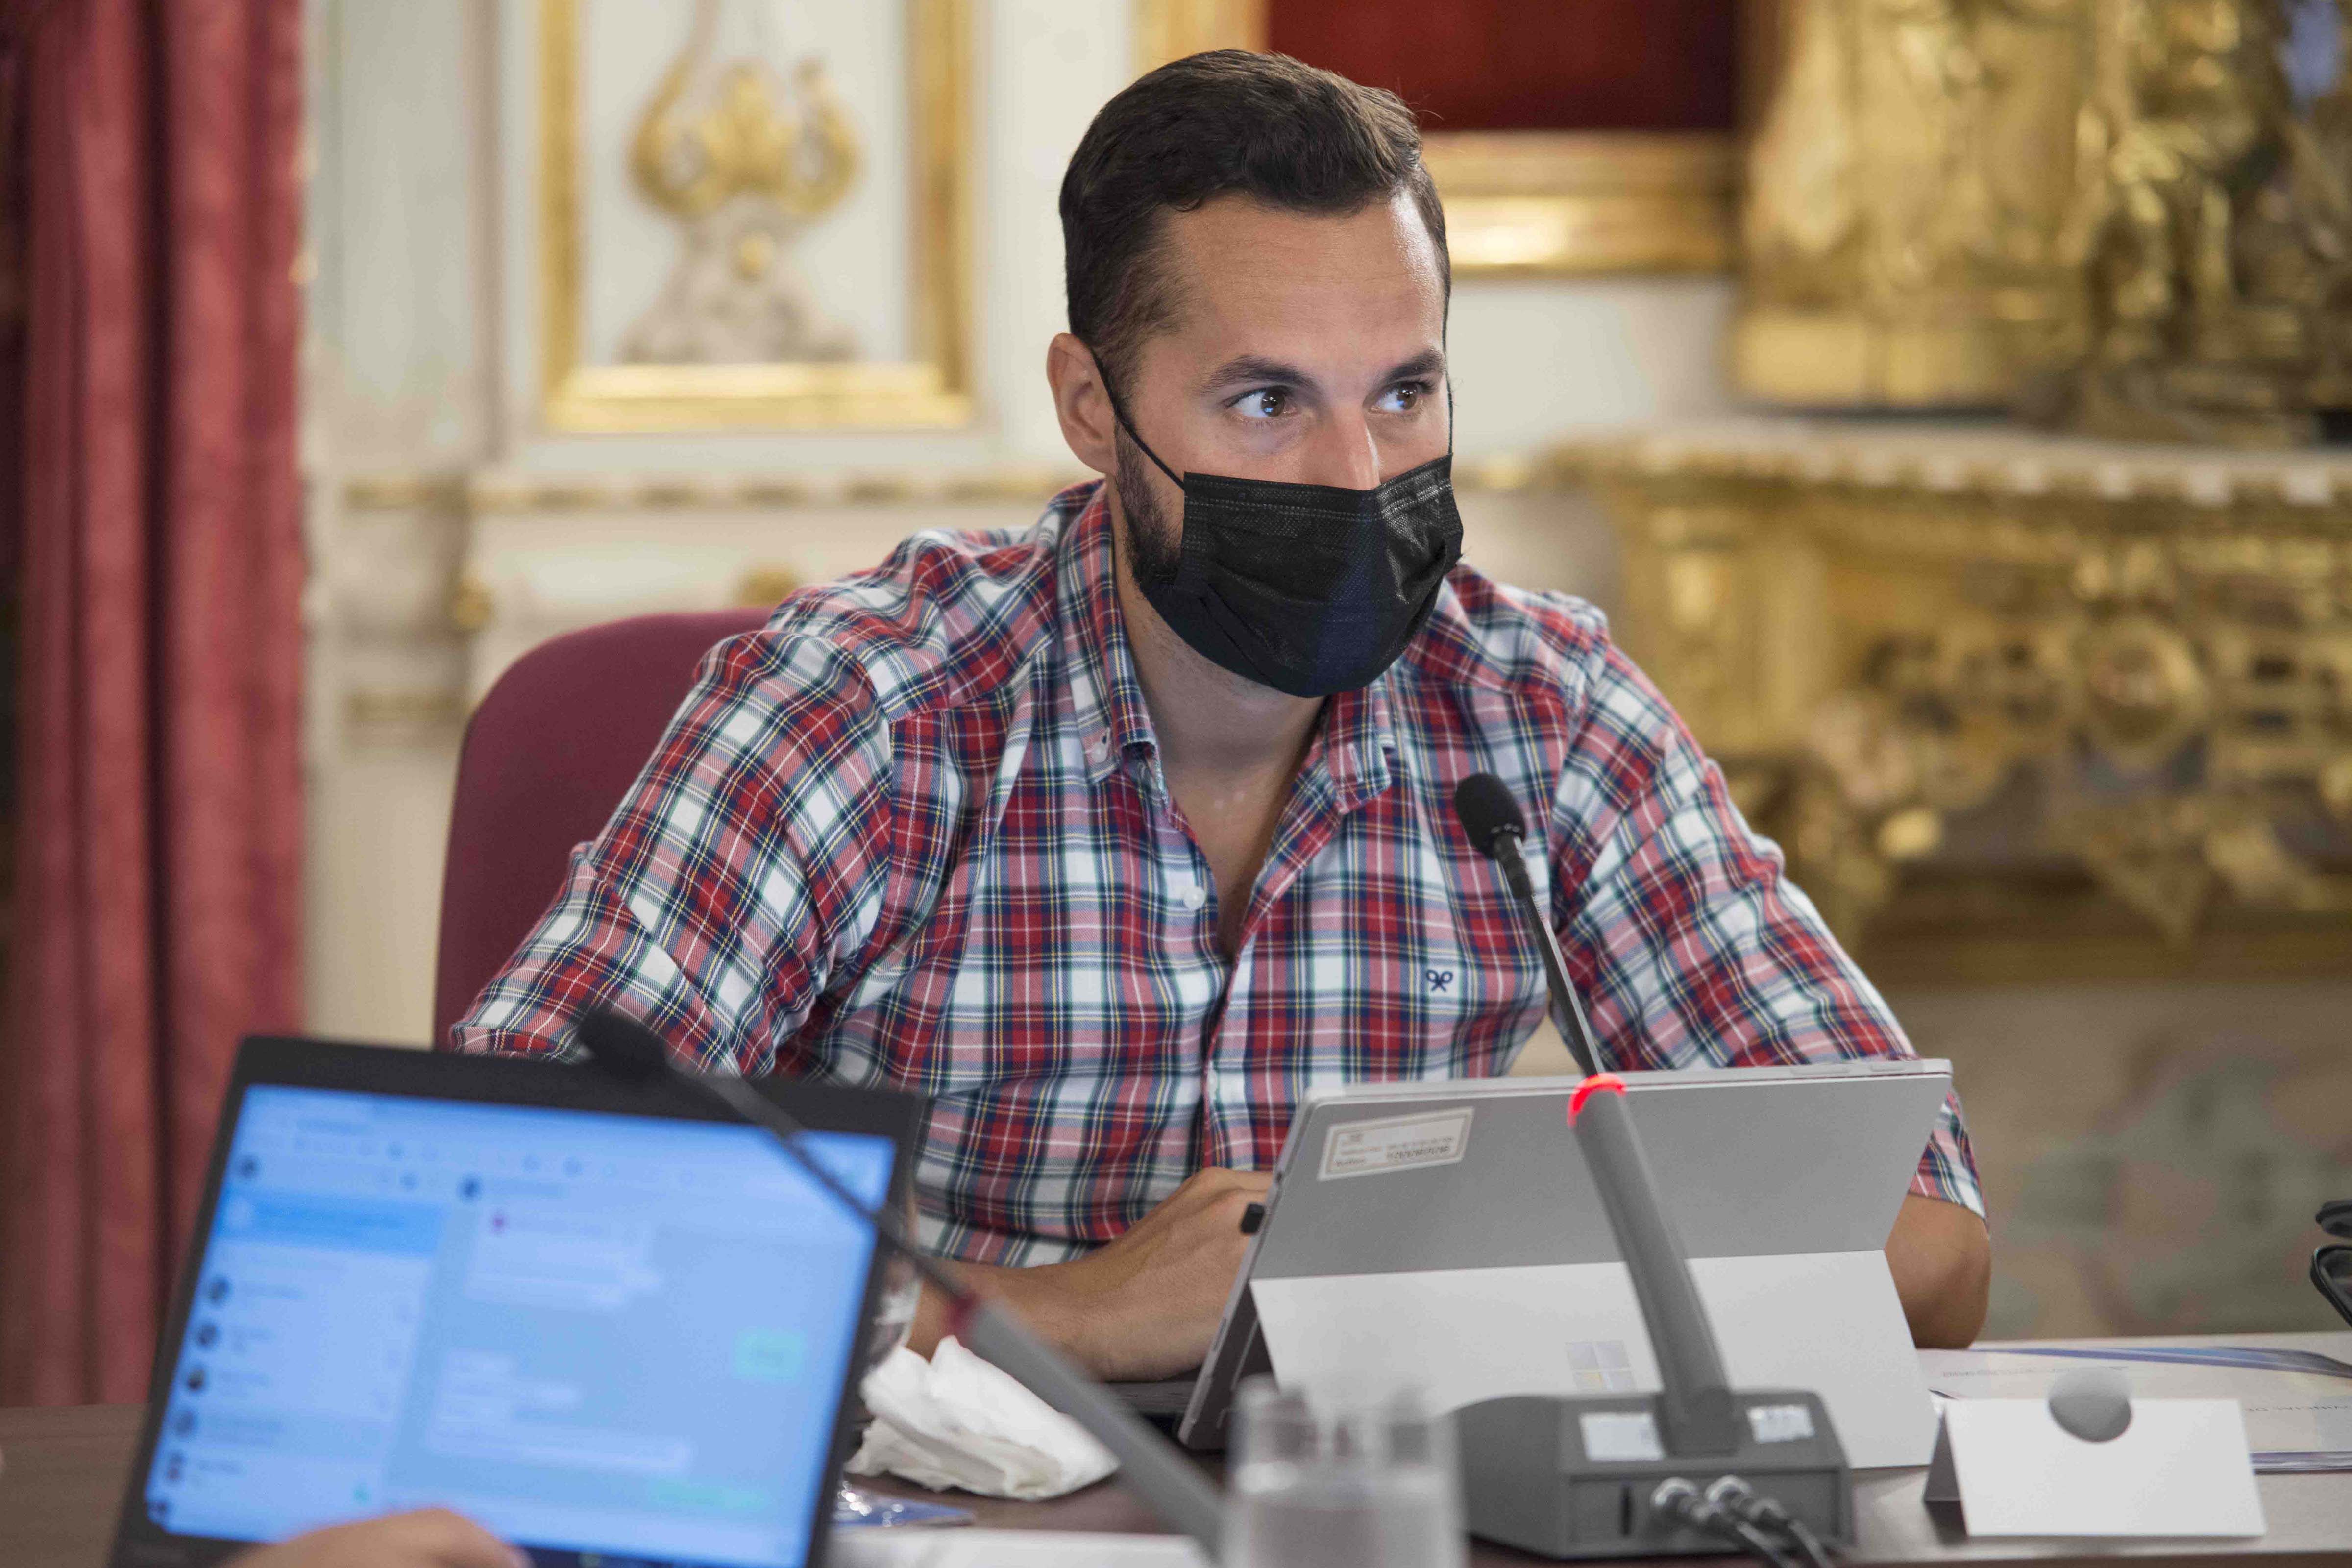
[1009, 1549]
[957, 1421]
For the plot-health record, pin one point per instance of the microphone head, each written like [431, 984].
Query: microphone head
[619, 1045]
[1483, 804]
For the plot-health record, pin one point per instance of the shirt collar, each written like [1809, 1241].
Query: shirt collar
[1106, 707]
[1355, 743]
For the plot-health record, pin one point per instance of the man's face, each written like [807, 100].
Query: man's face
[1306, 348]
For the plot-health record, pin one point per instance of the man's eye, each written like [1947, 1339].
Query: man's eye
[1404, 397]
[1269, 403]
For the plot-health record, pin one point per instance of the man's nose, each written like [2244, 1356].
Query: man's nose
[1344, 454]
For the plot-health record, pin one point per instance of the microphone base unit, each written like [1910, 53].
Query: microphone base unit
[1580, 1477]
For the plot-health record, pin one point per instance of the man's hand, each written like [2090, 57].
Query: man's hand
[429, 1538]
[1144, 1306]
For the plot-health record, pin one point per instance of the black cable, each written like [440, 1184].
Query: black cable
[1817, 1552]
[1737, 1498]
[1678, 1499]
[1758, 1543]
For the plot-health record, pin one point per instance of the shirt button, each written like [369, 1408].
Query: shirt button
[1194, 895]
[1100, 747]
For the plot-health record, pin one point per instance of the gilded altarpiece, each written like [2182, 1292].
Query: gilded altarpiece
[2128, 217]
[2018, 707]
[2026, 707]
[1911, 181]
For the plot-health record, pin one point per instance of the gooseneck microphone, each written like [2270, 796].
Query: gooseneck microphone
[1548, 1472]
[1491, 817]
[1695, 1401]
[1175, 1489]
[1695, 1404]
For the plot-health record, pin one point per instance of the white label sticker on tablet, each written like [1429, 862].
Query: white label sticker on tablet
[1396, 1143]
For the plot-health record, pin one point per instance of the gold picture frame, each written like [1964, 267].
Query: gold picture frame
[929, 391]
[1529, 203]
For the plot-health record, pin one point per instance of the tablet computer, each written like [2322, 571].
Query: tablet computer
[1448, 1234]
[607, 1322]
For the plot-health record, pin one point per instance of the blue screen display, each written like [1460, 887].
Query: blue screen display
[591, 1333]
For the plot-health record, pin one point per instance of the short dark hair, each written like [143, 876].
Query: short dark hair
[1227, 122]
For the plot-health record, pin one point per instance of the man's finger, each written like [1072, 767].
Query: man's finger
[1221, 1181]
[449, 1540]
[1248, 1191]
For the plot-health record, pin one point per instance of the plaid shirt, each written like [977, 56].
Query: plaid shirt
[915, 832]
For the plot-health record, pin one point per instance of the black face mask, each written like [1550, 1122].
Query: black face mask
[1310, 589]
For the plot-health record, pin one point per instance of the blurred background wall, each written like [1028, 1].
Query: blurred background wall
[1936, 394]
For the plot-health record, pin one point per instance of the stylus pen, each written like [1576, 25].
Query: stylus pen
[1171, 1484]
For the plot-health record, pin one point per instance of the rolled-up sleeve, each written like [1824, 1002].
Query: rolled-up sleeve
[1687, 939]
[744, 868]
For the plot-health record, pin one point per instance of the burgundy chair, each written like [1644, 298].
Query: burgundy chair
[551, 751]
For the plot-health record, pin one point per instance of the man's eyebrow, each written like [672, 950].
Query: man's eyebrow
[1428, 361]
[1255, 367]
[1258, 368]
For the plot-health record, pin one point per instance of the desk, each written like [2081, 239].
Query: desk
[65, 1472]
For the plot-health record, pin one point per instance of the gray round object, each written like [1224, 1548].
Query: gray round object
[2094, 1403]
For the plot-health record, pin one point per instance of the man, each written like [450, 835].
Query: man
[425, 1538]
[1117, 835]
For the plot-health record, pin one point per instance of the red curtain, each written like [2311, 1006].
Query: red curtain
[1529, 65]
[157, 897]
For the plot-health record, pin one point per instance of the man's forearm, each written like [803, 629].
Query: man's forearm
[1142, 1305]
[1941, 1257]
[1040, 1296]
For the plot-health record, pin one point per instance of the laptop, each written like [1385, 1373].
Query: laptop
[604, 1321]
[1448, 1235]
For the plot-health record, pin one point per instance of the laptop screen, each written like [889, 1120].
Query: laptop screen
[592, 1333]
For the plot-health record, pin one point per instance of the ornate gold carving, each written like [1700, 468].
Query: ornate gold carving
[2143, 690]
[2011, 665]
[2218, 242]
[726, 151]
[723, 165]
[1170, 29]
[493, 493]
[1909, 190]
[490, 491]
[1562, 203]
[387, 714]
[2116, 210]
[1526, 203]
[746, 141]
[471, 604]
[404, 492]
[767, 585]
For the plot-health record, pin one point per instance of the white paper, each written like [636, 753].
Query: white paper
[1009, 1549]
[2290, 1412]
[1829, 1323]
[2179, 1469]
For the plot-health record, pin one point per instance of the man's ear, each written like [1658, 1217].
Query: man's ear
[1081, 401]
